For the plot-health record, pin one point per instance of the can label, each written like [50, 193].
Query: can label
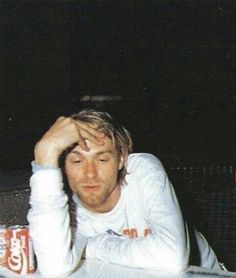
[16, 251]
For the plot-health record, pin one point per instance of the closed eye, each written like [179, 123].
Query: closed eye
[103, 160]
[76, 161]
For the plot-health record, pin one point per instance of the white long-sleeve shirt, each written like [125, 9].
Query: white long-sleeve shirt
[145, 229]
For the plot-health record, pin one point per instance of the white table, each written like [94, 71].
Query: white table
[98, 269]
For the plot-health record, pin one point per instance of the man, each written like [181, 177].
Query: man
[125, 208]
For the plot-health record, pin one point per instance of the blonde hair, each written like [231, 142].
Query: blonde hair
[119, 135]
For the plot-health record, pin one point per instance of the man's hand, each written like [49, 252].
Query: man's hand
[61, 135]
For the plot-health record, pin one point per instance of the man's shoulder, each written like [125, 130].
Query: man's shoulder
[143, 161]
[144, 173]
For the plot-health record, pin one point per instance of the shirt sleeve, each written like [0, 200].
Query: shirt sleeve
[57, 250]
[166, 248]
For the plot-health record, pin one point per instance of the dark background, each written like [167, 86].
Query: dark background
[173, 64]
[167, 69]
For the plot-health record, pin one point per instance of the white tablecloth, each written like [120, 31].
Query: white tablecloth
[98, 269]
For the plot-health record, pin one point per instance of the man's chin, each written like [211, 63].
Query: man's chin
[91, 203]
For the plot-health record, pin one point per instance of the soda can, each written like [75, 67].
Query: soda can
[17, 249]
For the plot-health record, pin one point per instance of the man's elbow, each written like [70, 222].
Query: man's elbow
[51, 269]
[178, 267]
[179, 262]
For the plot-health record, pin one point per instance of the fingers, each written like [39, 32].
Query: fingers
[90, 129]
[75, 131]
[86, 132]
[92, 138]
[82, 143]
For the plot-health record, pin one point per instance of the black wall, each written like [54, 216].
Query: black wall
[173, 64]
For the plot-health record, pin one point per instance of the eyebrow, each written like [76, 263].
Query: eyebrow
[98, 153]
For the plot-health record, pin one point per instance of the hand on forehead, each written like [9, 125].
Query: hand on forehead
[106, 145]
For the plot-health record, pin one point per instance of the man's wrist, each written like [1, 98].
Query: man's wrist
[46, 156]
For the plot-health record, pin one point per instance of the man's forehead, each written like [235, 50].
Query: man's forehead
[108, 146]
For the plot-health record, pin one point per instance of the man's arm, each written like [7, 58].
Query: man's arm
[166, 248]
[49, 221]
[62, 134]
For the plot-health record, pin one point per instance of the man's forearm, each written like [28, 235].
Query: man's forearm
[50, 225]
[160, 251]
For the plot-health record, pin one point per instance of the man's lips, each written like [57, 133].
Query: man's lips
[91, 188]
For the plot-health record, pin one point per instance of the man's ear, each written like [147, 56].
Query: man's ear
[123, 156]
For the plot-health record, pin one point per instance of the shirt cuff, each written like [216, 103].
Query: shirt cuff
[37, 167]
[45, 181]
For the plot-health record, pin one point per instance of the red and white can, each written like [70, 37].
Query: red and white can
[16, 252]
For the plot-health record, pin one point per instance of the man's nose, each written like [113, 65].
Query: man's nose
[91, 170]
